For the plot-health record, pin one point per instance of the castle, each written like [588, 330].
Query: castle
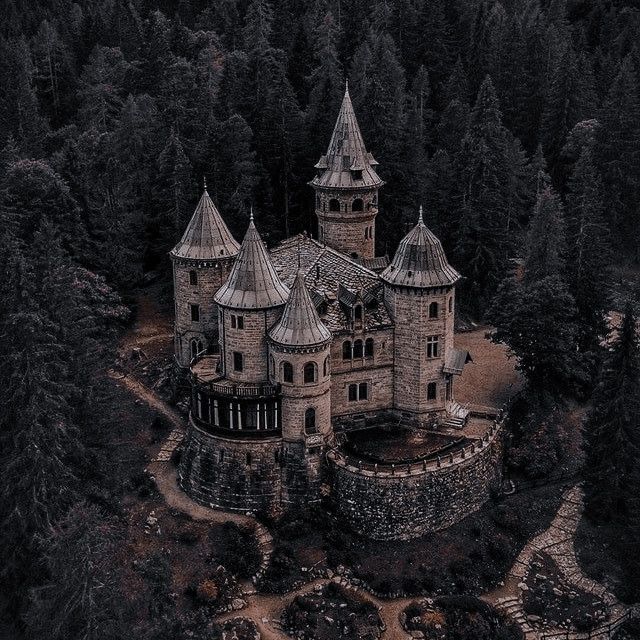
[318, 366]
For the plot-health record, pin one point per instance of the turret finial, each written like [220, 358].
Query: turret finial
[346, 86]
[251, 214]
[420, 219]
[204, 181]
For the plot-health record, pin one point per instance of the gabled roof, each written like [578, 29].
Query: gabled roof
[299, 325]
[346, 154]
[420, 261]
[206, 236]
[455, 361]
[253, 282]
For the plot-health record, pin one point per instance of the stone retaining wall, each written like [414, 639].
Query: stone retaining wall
[407, 502]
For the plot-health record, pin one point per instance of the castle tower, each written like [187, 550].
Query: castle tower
[346, 187]
[250, 302]
[300, 346]
[419, 292]
[201, 263]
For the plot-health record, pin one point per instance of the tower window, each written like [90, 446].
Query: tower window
[346, 162]
[310, 372]
[287, 372]
[346, 350]
[368, 348]
[325, 367]
[193, 277]
[432, 388]
[433, 346]
[195, 313]
[357, 174]
[366, 233]
[238, 361]
[433, 310]
[353, 392]
[357, 349]
[240, 320]
[357, 205]
[357, 312]
[334, 204]
[248, 458]
[450, 304]
[233, 321]
[310, 421]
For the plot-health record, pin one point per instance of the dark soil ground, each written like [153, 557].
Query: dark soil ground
[550, 598]
[330, 613]
[459, 618]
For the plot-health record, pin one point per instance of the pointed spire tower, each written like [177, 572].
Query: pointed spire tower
[201, 261]
[346, 186]
[250, 301]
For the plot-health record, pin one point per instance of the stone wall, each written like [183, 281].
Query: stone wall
[388, 504]
[231, 474]
[210, 278]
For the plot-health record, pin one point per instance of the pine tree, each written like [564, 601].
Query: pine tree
[618, 154]
[612, 430]
[588, 251]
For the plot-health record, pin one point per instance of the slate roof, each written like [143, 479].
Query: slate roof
[253, 282]
[206, 236]
[299, 325]
[346, 154]
[327, 273]
[420, 261]
[455, 361]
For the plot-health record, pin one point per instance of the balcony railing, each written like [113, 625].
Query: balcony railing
[231, 390]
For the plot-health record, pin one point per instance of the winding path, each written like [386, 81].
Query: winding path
[265, 609]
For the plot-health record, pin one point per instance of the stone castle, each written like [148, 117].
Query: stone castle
[317, 367]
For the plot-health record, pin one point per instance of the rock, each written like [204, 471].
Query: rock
[237, 604]
[151, 520]
[557, 592]
[533, 619]
[330, 573]
[523, 586]
[417, 634]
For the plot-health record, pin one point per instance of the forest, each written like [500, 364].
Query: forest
[514, 123]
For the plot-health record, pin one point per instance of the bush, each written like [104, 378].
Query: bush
[236, 549]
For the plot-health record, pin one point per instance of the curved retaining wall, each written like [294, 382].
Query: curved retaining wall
[404, 502]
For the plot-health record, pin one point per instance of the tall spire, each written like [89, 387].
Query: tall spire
[420, 261]
[299, 324]
[206, 236]
[253, 282]
[347, 162]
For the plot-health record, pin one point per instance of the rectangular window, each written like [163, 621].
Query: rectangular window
[346, 163]
[233, 321]
[195, 313]
[433, 350]
[240, 322]
[193, 277]
[431, 390]
[358, 392]
[237, 361]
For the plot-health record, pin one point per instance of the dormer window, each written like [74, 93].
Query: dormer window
[346, 162]
[356, 174]
[357, 313]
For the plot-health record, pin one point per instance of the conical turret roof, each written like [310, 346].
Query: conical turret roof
[347, 164]
[420, 261]
[299, 325]
[206, 236]
[253, 282]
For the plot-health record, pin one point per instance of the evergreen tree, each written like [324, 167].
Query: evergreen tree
[588, 250]
[612, 430]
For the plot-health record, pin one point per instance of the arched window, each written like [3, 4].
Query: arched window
[432, 388]
[310, 372]
[325, 367]
[193, 277]
[346, 350]
[366, 233]
[196, 347]
[310, 421]
[450, 304]
[334, 204]
[357, 349]
[357, 205]
[433, 310]
[368, 348]
[287, 372]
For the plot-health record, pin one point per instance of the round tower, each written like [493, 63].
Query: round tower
[249, 302]
[346, 188]
[419, 292]
[201, 262]
[299, 347]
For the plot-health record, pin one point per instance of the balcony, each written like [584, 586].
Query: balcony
[242, 390]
